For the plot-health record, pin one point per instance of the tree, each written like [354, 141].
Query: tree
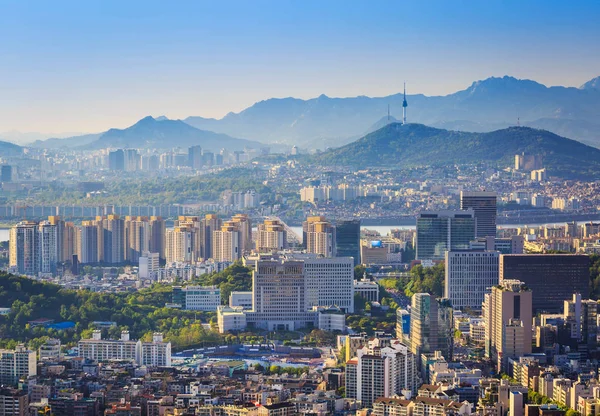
[359, 271]
[359, 302]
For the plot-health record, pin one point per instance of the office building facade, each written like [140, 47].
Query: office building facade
[347, 239]
[330, 282]
[430, 325]
[197, 298]
[470, 274]
[279, 300]
[438, 232]
[484, 206]
[552, 277]
[508, 322]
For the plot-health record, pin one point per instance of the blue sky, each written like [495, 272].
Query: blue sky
[90, 65]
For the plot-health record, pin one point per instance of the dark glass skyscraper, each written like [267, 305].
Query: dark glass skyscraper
[553, 278]
[347, 239]
[441, 231]
[116, 160]
[6, 175]
[484, 205]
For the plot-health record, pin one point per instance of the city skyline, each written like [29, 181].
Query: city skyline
[88, 67]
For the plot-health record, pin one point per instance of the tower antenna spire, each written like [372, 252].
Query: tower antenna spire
[388, 112]
[404, 105]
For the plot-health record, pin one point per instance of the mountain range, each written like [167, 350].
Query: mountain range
[10, 149]
[486, 105]
[396, 145]
[152, 133]
[325, 122]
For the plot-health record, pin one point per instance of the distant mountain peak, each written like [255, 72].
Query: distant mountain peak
[420, 145]
[161, 118]
[146, 120]
[503, 83]
[592, 84]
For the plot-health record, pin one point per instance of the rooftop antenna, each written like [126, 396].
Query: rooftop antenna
[404, 105]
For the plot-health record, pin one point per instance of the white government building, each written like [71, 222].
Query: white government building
[293, 291]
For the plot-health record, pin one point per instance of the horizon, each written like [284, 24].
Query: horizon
[87, 67]
[61, 135]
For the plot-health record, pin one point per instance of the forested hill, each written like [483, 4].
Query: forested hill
[416, 144]
[141, 312]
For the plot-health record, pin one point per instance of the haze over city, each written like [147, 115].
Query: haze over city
[286, 208]
[75, 66]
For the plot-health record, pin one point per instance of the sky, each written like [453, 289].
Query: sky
[86, 66]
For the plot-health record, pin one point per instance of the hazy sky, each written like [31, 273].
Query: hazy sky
[87, 65]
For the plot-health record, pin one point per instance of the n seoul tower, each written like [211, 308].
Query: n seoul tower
[404, 105]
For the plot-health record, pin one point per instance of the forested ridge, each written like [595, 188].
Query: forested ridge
[142, 312]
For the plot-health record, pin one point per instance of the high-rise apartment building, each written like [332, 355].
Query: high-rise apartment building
[112, 236]
[65, 238]
[319, 236]
[194, 225]
[179, 245]
[440, 231]
[551, 277]
[157, 236]
[347, 239]
[137, 237]
[271, 235]
[48, 247]
[508, 321]
[87, 242]
[430, 325]
[470, 274]
[17, 364]
[33, 247]
[244, 225]
[23, 248]
[227, 242]
[381, 369]
[209, 224]
[484, 206]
